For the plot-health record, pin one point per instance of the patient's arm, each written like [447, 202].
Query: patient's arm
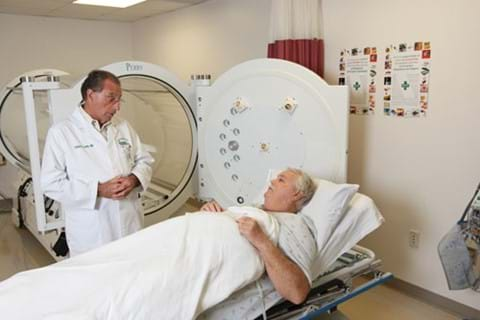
[287, 278]
[212, 206]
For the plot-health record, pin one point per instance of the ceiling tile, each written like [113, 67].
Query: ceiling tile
[118, 18]
[65, 9]
[147, 9]
[188, 1]
[24, 11]
[81, 11]
[34, 4]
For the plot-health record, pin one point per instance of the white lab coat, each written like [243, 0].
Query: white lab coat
[76, 158]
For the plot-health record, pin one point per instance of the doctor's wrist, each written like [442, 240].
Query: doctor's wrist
[134, 180]
[100, 189]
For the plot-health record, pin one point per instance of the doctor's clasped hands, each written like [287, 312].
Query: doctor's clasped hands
[117, 188]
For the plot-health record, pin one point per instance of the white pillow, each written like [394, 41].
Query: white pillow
[361, 218]
[327, 207]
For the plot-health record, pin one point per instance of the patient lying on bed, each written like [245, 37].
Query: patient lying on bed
[288, 262]
[176, 269]
[287, 193]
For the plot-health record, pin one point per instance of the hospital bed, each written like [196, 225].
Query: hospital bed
[339, 261]
[335, 286]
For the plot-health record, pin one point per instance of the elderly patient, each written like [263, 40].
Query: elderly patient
[287, 265]
[288, 192]
[180, 268]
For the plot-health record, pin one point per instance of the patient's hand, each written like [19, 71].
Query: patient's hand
[212, 206]
[250, 229]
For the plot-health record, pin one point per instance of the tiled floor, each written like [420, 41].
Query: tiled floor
[386, 303]
[19, 251]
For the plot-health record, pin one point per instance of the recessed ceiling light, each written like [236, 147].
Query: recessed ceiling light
[109, 3]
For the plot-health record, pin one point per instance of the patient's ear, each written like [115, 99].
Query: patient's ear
[298, 196]
[297, 200]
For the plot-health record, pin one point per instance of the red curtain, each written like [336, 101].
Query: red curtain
[307, 52]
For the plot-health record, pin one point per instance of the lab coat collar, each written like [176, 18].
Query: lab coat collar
[83, 121]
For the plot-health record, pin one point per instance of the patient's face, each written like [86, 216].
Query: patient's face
[282, 193]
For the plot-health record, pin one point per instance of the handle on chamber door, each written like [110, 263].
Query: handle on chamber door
[22, 193]
[48, 203]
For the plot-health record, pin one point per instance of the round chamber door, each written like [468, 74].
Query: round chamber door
[165, 123]
[13, 129]
[154, 102]
[268, 114]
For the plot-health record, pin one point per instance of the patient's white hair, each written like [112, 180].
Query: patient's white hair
[305, 185]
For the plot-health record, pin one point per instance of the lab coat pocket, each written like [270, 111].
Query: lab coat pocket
[83, 229]
[80, 192]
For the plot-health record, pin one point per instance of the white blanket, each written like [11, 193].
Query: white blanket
[172, 270]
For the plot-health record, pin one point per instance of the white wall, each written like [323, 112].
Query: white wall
[76, 46]
[420, 172]
[206, 38]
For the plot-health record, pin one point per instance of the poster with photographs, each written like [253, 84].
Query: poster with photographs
[358, 71]
[407, 72]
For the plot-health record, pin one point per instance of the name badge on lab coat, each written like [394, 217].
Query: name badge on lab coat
[126, 147]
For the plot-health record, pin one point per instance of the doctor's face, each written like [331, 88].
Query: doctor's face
[282, 194]
[103, 105]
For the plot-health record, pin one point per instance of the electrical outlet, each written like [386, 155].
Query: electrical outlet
[414, 238]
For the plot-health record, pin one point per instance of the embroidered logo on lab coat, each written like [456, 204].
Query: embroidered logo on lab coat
[124, 143]
[83, 146]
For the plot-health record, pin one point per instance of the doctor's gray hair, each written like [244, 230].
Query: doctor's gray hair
[94, 81]
[305, 185]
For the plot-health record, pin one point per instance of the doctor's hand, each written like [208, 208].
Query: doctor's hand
[117, 188]
[250, 229]
[212, 206]
[127, 184]
[110, 188]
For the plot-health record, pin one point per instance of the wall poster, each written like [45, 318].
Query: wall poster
[407, 71]
[358, 71]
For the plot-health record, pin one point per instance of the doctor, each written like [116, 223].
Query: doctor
[95, 166]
